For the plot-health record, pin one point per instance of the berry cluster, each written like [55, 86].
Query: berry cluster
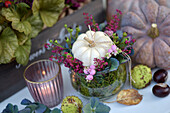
[114, 22]
[128, 45]
[100, 64]
[74, 4]
[6, 4]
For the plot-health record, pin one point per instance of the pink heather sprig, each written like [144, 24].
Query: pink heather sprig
[68, 61]
[89, 20]
[58, 51]
[114, 22]
[90, 71]
[100, 64]
[73, 63]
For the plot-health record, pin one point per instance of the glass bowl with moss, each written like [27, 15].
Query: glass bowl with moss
[104, 85]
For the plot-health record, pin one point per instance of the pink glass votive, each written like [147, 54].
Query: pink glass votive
[44, 81]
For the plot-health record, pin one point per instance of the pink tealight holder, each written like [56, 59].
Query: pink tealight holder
[44, 81]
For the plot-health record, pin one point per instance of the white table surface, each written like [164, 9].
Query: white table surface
[149, 104]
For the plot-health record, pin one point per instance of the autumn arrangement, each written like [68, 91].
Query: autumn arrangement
[96, 59]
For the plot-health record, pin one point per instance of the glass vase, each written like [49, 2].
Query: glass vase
[44, 81]
[104, 85]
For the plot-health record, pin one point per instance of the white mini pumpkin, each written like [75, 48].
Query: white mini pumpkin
[91, 45]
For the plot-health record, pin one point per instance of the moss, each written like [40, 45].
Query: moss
[84, 90]
[104, 83]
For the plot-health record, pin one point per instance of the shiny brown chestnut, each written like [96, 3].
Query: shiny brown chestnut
[160, 76]
[161, 90]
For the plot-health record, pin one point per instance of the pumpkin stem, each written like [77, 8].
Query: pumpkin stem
[91, 43]
[153, 32]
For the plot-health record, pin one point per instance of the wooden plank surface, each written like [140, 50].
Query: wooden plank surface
[11, 75]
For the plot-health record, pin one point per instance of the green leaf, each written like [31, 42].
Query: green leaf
[49, 10]
[101, 108]
[94, 102]
[26, 110]
[10, 14]
[22, 26]
[8, 43]
[32, 107]
[36, 24]
[15, 109]
[56, 110]
[41, 108]
[121, 58]
[22, 10]
[17, 23]
[10, 107]
[1, 28]
[22, 52]
[114, 64]
[87, 108]
[23, 5]
[22, 38]
[26, 102]
[2, 19]
[15, 1]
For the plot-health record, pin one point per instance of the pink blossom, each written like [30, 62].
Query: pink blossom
[110, 50]
[114, 47]
[92, 67]
[89, 77]
[92, 72]
[85, 71]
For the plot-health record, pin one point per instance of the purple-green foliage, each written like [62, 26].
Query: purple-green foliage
[31, 107]
[95, 106]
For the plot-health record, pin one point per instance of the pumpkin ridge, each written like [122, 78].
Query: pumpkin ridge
[162, 53]
[157, 14]
[97, 50]
[82, 51]
[164, 41]
[160, 7]
[150, 9]
[140, 6]
[90, 56]
[133, 20]
[140, 47]
[154, 59]
[163, 23]
[139, 10]
[156, 2]
[148, 59]
[103, 47]
[144, 14]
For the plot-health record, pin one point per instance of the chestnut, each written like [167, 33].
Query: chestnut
[161, 90]
[160, 76]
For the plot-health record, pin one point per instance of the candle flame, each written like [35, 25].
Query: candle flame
[154, 25]
[43, 72]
